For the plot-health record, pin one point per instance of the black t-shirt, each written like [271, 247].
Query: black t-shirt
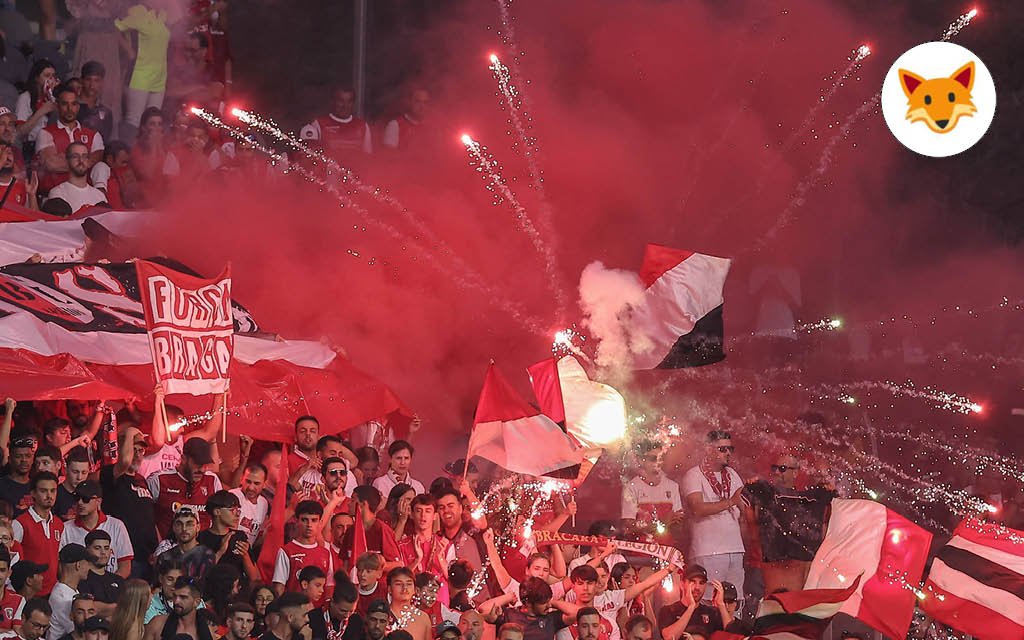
[128, 498]
[64, 507]
[791, 523]
[15, 494]
[704, 618]
[534, 627]
[318, 619]
[739, 627]
[212, 541]
[105, 588]
[269, 636]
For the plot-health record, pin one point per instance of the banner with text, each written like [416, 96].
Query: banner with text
[671, 555]
[190, 326]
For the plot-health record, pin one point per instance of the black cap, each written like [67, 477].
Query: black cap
[88, 489]
[729, 592]
[447, 625]
[458, 467]
[97, 623]
[72, 552]
[695, 571]
[23, 570]
[379, 606]
[198, 450]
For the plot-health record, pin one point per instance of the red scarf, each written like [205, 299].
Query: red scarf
[723, 488]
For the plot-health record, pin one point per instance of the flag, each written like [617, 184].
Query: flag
[884, 549]
[594, 413]
[516, 436]
[273, 539]
[795, 615]
[679, 321]
[75, 330]
[358, 544]
[976, 583]
[190, 327]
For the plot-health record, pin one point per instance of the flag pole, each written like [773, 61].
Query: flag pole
[163, 414]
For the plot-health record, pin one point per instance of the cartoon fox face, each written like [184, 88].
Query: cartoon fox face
[939, 102]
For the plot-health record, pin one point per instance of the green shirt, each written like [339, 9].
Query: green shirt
[150, 72]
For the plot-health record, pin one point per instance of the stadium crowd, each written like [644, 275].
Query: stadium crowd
[117, 524]
[105, 116]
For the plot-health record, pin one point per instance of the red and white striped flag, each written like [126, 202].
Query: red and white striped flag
[976, 584]
[795, 615]
[884, 548]
[516, 436]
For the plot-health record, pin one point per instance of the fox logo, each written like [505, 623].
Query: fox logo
[939, 102]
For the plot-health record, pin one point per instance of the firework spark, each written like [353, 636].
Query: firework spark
[938, 398]
[490, 170]
[958, 25]
[825, 324]
[853, 61]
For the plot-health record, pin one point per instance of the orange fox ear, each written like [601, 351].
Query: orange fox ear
[909, 81]
[965, 75]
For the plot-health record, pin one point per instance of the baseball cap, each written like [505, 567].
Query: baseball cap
[379, 606]
[729, 593]
[97, 623]
[447, 625]
[4, 111]
[72, 552]
[695, 571]
[458, 467]
[197, 449]
[88, 489]
[23, 570]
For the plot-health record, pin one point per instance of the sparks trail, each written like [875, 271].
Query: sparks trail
[940, 399]
[491, 172]
[825, 159]
[854, 63]
[472, 282]
[958, 25]
[349, 177]
[517, 113]
[471, 279]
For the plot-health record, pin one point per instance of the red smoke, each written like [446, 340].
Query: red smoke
[657, 122]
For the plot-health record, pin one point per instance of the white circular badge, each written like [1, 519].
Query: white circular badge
[938, 99]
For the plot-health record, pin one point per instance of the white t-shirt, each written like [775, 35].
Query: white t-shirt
[23, 111]
[166, 458]
[389, 481]
[608, 605]
[720, 532]
[60, 601]
[120, 543]
[77, 197]
[641, 501]
[253, 515]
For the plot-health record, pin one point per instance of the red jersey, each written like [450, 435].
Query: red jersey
[62, 137]
[294, 556]
[11, 605]
[364, 600]
[17, 196]
[40, 542]
[171, 492]
[338, 137]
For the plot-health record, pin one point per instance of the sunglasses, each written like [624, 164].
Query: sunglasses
[728, 448]
[336, 472]
[85, 498]
[783, 468]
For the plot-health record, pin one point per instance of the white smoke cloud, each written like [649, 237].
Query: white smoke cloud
[606, 297]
